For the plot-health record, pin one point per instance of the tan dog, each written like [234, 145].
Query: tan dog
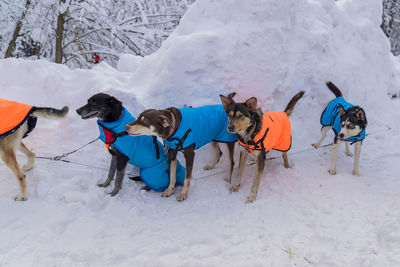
[12, 139]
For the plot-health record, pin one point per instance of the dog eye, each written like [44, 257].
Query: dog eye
[240, 117]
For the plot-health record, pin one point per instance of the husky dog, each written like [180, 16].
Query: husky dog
[187, 129]
[143, 152]
[17, 121]
[258, 133]
[348, 122]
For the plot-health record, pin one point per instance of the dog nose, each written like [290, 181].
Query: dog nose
[231, 128]
[78, 111]
[127, 127]
[341, 135]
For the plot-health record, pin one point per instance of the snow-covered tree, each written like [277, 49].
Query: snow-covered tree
[391, 23]
[71, 31]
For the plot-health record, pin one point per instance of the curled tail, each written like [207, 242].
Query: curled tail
[290, 106]
[50, 113]
[333, 88]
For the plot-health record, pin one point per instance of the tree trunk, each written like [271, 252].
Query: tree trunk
[60, 36]
[12, 43]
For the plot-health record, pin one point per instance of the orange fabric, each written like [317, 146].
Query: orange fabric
[12, 114]
[279, 135]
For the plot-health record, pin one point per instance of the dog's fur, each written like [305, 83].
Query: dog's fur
[245, 119]
[353, 121]
[10, 143]
[108, 109]
[163, 123]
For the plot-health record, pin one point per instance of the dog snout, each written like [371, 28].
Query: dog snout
[231, 128]
[341, 135]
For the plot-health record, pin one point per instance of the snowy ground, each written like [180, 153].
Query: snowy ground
[303, 216]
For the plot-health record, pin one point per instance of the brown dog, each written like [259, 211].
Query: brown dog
[186, 129]
[258, 133]
[12, 138]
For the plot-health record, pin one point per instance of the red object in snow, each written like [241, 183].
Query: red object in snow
[96, 58]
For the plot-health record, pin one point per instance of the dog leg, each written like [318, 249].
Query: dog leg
[357, 151]
[122, 162]
[348, 152]
[332, 169]
[242, 163]
[8, 156]
[189, 158]
[111, 172]
[324, 131]
[217, 156]
[231, 149]
[31, 157]
[257, 177]
[172, 173]
[285, 160]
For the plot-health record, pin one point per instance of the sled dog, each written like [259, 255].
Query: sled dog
[187, 129]
[348, 122]
[143, 152]
[17, 120]
[257, 134]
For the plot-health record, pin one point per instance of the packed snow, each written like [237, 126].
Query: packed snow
[303, 216]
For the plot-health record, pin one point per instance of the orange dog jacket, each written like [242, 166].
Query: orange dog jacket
[275, 133]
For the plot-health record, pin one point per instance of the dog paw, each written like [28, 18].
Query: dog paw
[332, 171]
[355, 173]
[234, 188]
[182, 196]
[114, 192]
[315, 145]
[349, 154]
[168, 192]
[251, 199]
[103, 185]
[20, 198]
[27, 167]
[208, 167]
[228, 179]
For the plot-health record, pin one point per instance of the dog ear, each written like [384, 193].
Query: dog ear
[113, 101]
[251, 104]
[342, 111]
[360, 115]
[165, 123]
[226, 102]
[231, 95]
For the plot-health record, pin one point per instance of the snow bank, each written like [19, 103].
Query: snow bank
[303, 216]
[270, 50]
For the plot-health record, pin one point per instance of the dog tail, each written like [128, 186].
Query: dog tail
[50, 113]
[290, 106]
[333, 88]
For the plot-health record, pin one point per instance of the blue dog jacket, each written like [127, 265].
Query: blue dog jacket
[200, 126]
[331, 117]
[141, 152]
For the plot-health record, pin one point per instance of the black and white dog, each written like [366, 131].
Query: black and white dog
[348, 123]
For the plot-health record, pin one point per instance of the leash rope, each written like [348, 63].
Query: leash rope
[61, 157]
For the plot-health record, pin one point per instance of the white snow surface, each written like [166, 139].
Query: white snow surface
[303, 216]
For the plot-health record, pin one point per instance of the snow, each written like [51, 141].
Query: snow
[303, 216]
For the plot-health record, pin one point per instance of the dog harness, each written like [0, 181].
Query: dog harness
[275, 133]
[331, 117]
[141, 153]
[13, 115]
[200, 126]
